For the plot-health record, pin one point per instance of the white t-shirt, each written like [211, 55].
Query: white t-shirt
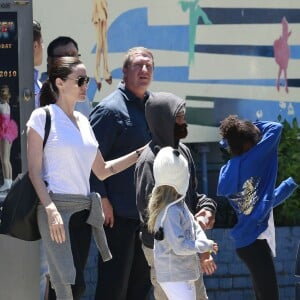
[69, 153]
[269, 234]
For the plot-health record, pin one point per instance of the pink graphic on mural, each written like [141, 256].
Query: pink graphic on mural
[282, 53]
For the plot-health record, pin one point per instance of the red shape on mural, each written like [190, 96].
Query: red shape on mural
[282, 53]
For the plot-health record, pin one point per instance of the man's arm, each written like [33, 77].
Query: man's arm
[206, 211]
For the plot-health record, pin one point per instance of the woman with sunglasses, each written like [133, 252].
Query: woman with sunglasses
[68, 212]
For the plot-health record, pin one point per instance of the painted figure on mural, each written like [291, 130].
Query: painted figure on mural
[99, 19]
[282, 53]
[195, 11]
[8, 133]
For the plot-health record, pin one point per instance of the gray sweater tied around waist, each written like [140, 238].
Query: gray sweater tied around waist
[59, 256]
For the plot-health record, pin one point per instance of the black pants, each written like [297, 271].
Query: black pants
[297, 273]
[127, 275]
[297, 291]
[80, 237]
[258, 258]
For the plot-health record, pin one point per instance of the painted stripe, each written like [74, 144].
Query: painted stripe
[250, 15]
[238, 67]
[251, 4]
[199, 134]
[200, 116]
[228, 92]
[135, 21]
[258, 35]
[200, 104]
[239, 50]
[179, 17]
[265, 51]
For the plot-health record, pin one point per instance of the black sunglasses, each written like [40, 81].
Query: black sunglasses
[81, 80]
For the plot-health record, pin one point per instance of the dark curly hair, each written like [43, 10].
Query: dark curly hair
[240, 134]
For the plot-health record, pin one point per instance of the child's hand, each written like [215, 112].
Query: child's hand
[208, 265]
[215, 248]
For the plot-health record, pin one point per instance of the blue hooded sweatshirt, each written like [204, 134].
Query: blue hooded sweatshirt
[248, 182]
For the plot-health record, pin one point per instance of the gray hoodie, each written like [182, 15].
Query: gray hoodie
[161, 110]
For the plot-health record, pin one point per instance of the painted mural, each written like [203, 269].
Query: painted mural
[223, 57]
[99, 19]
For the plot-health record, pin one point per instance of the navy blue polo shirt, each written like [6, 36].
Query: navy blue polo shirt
[120, 127]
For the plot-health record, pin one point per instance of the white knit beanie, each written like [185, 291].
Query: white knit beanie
[171, 168]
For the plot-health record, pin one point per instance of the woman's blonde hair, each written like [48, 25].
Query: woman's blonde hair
[161, 196]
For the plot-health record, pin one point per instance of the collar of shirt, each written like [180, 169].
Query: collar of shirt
[129, 96]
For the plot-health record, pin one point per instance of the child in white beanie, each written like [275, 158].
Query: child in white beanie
[178, 237]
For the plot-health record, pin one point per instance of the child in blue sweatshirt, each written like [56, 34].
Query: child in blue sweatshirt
[248, 181]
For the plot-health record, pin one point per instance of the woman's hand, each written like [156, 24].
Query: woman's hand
[56, 225]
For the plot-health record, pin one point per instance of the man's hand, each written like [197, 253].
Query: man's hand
[108, 212]
[208, 265]
[205, 218]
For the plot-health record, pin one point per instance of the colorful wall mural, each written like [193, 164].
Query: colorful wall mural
[223, 57]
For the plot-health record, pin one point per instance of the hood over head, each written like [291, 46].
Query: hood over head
[161, 110]
[172, 169]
